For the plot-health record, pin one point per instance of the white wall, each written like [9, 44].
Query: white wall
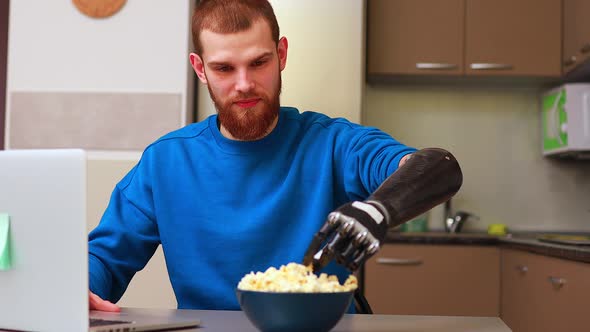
[142, 48]
[325, 60]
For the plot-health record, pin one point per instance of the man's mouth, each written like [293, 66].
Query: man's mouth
[247, 103]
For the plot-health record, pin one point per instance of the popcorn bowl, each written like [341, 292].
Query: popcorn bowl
[286, 312]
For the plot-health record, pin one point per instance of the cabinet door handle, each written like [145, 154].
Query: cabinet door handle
[522, 268]
[435, 66]
[490, 66]
[399, 261]
[557, 282]
[570, 61]
[585, 49]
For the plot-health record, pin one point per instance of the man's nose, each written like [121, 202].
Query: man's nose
[244, 81]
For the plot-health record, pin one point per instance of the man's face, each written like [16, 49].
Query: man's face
[242, 73]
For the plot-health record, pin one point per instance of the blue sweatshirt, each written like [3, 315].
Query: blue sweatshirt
[222, 208]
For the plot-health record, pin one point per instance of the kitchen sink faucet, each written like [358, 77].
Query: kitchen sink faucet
[454, 222]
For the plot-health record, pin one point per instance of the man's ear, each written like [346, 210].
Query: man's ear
[198, 66]
[282, 52]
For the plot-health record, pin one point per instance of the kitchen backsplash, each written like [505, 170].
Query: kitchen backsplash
[495, 134]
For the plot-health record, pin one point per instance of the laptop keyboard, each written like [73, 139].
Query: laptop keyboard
[103, 322]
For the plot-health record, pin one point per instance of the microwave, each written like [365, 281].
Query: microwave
[565, 118]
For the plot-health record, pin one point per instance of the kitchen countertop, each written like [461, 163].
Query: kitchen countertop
[580, 253]
[441, 238]
[526, 242]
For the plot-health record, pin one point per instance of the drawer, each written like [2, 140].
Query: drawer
[455, 280]
[541, 293]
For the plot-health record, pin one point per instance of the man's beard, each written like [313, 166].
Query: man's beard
[248, 124]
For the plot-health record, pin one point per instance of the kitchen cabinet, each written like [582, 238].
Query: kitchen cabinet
[448, 280]
[515, 38]
[464, 37]
[415, 37]
[576, 33]
[541, 293]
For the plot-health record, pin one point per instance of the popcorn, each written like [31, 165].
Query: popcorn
[295, 278]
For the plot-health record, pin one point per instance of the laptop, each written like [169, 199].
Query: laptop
[44, 270]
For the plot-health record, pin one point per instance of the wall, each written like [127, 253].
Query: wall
[86, 75]
[111, 86]
[494, 132]
[3, 53]
[325, 61]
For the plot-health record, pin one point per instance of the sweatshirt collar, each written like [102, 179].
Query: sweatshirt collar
[265, 144]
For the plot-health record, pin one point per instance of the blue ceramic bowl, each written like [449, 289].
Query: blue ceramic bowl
[288, 312]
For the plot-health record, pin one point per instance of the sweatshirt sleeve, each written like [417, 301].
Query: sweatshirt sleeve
[126, 237]
[369, 157]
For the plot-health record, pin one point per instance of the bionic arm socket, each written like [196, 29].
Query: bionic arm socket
[429, 177]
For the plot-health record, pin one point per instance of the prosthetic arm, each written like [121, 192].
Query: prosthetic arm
[354, 231]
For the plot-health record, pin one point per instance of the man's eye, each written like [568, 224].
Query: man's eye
[223, 69]
[258, 63]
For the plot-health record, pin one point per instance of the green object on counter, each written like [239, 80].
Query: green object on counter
[5, 252]
[416, 225]
[497, 229]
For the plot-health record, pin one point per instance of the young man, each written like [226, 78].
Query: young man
[245, 189]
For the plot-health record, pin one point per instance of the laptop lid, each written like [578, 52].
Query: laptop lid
[45, 288]
[44, 270]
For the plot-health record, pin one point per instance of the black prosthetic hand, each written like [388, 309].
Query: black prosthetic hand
[354, 232]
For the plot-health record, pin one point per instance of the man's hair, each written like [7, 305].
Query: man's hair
[230, 16]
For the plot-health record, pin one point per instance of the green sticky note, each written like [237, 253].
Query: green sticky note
[5, 253]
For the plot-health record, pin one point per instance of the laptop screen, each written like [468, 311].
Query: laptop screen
[43, 193]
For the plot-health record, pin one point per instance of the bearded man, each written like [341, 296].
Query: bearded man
[245, 189]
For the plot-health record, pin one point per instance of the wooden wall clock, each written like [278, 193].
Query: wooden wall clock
[99, 8]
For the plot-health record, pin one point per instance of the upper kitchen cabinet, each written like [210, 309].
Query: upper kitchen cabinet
[415, 37]
[576, 33]
[513, 38]
[464, 37]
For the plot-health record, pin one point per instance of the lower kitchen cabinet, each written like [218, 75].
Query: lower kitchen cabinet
[447, 280]
[541, 293]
